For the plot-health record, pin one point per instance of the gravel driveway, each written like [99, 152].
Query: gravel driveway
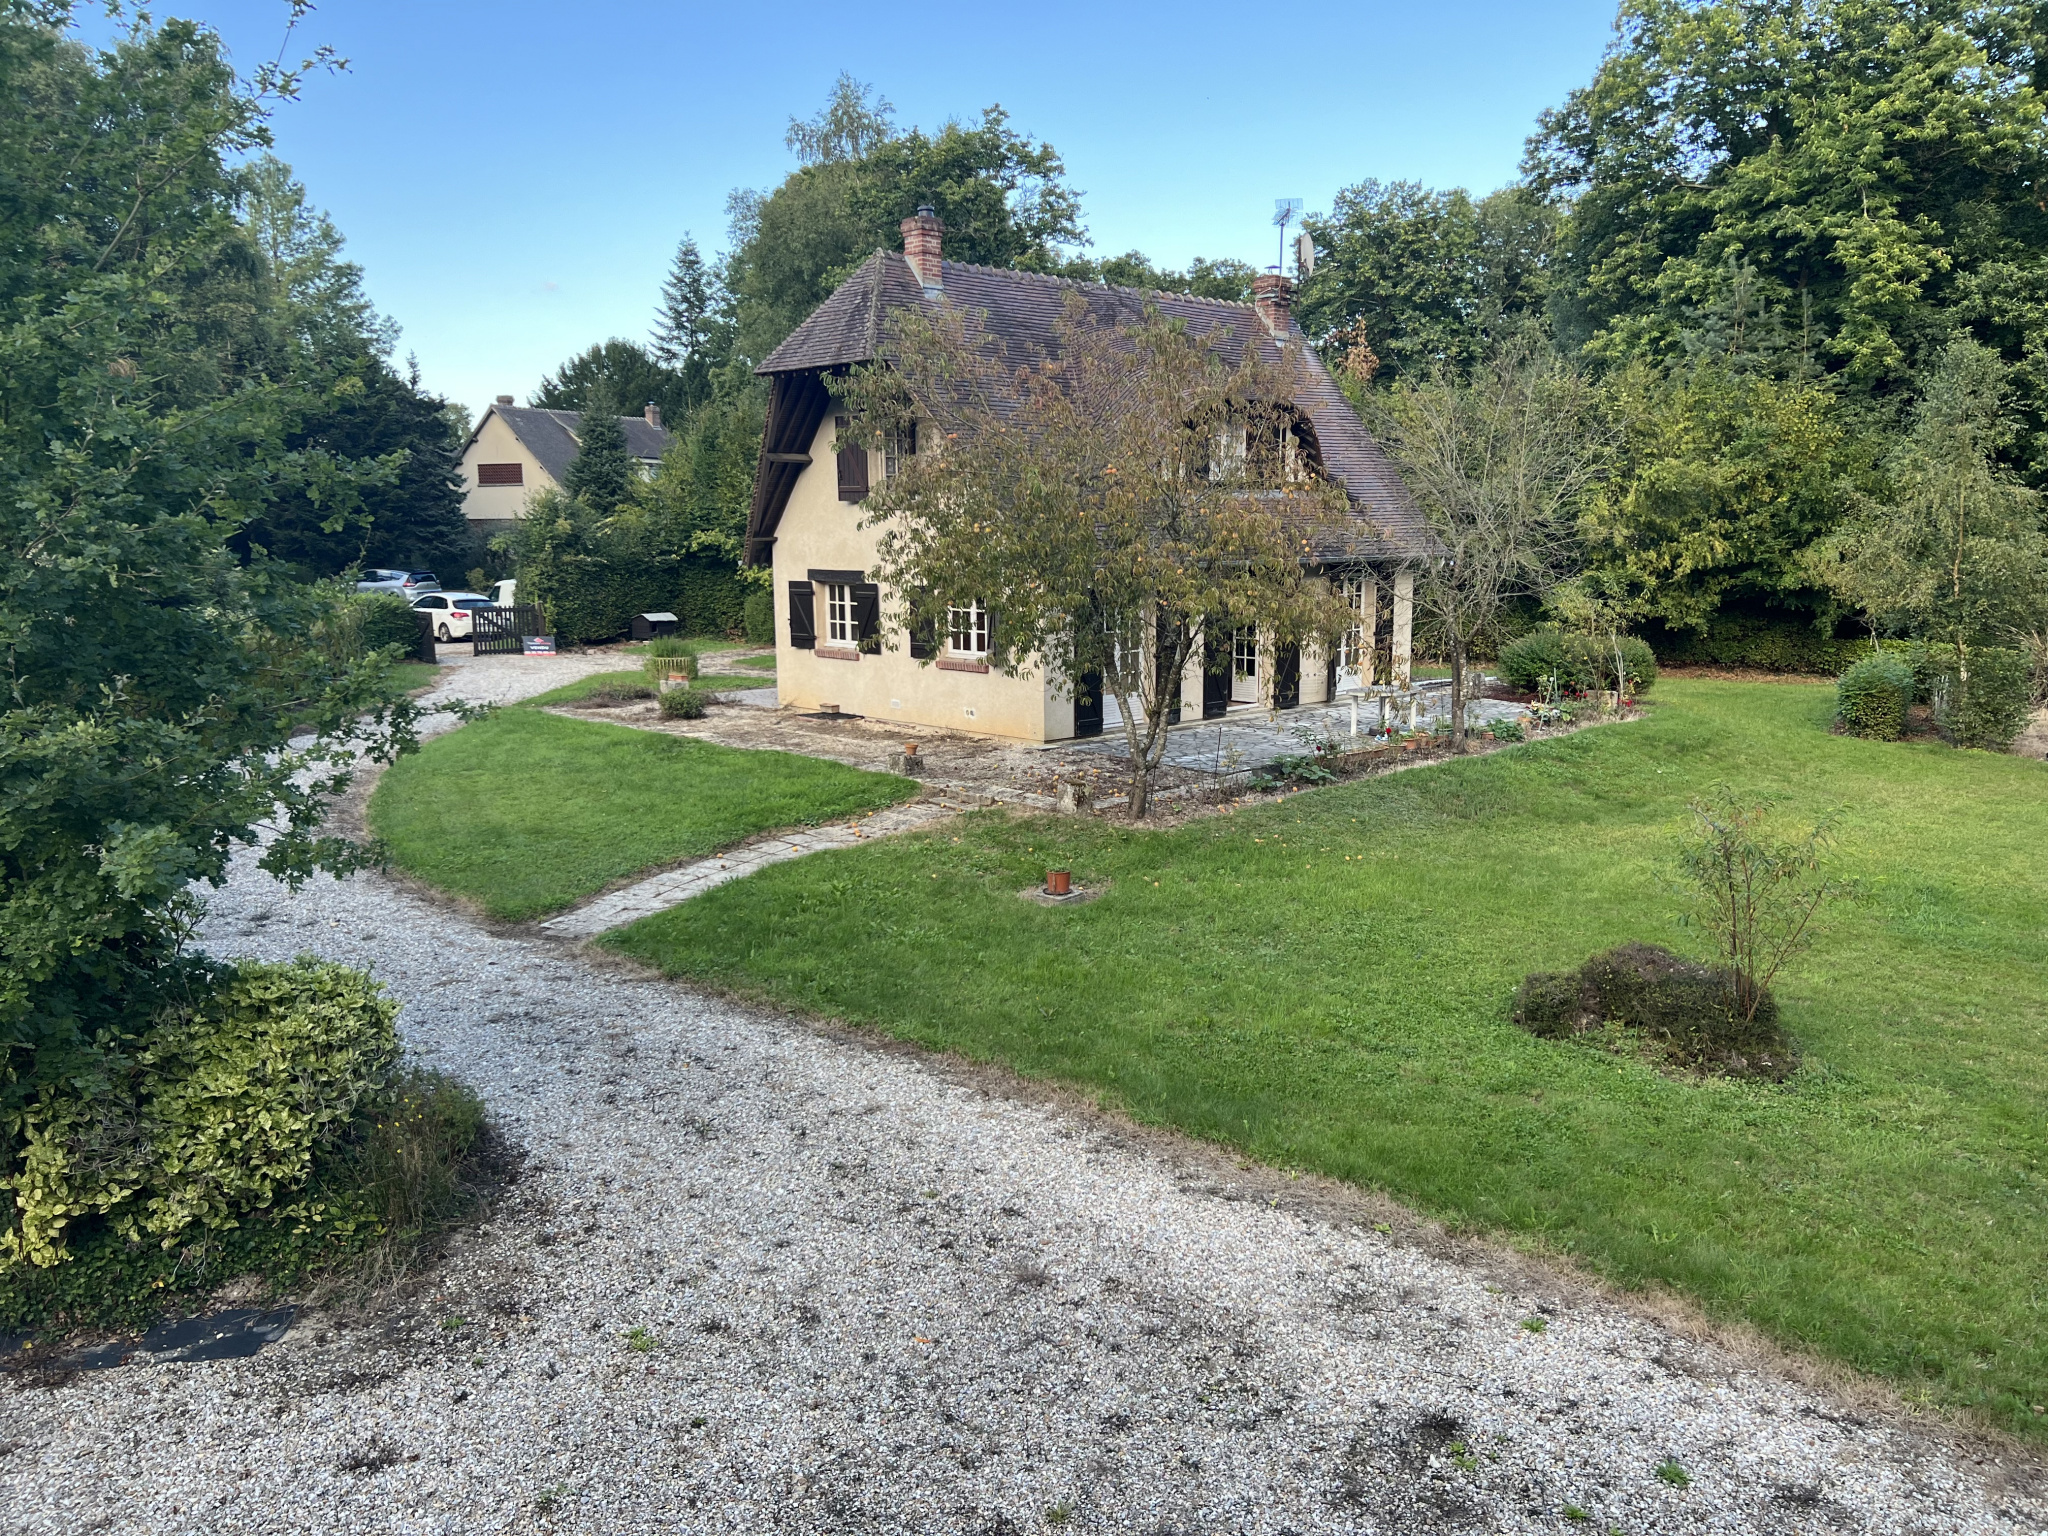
[878, 1294]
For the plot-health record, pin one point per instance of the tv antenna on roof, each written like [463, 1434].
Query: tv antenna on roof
[1284, 211]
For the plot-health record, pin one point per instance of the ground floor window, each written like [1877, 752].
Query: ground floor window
[1244, 666]
[967, 630]
[839, 628]
[1351, 645]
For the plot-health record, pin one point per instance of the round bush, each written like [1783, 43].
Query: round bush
[1871, 697]
[685, 703]
[1579, 663]
[1530, 661]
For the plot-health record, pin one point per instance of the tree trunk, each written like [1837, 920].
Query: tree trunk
[1457, 695]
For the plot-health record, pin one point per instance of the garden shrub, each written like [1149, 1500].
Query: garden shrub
[1687, 1007]
[1580, 663]
[216, 1111]
[686, 703]
[1993, 709]
[1871, 697]
[412, 1164]
[760, 616]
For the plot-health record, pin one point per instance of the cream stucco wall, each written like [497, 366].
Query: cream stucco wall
[818, 531]
[495, 444]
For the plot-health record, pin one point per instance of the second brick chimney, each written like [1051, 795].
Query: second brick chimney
[921, 233]
[653, 414]
[1273, 298]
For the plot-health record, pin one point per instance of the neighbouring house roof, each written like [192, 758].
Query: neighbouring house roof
[1022, 309]
[553, 436]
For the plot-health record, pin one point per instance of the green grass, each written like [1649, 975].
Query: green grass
[411, 676]
[583, 688]
[1325, 983]
[524, 812]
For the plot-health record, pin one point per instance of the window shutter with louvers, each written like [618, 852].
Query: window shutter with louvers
[867, 615]
[853, 467]
[803, 621]
[924, 637]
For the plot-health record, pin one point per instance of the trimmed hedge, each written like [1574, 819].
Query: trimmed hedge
[760, 616]
[1993, 708]
[1765, 645]
[1872, 695]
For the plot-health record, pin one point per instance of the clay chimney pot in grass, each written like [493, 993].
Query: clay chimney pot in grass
[921, 233]
[1273, 298]
[1059, 882]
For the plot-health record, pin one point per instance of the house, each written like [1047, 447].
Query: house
[831, 648]
[517, 451]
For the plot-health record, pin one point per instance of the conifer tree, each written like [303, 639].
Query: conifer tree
[683, 329]
[602, 474]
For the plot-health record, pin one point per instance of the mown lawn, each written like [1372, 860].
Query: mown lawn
[1325, 983]
[583, 687]
[525, 812]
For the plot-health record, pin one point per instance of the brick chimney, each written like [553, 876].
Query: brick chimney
[1273, 298]
[653, 414]
[504, 399]
[921, 233]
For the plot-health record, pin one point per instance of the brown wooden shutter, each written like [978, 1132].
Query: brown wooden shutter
[867, 615]
[924, 636]
[803, 621]
[853, 467]
[501, 474]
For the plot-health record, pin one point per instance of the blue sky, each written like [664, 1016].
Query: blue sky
[514, 177]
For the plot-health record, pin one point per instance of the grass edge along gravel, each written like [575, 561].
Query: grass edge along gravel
[1883, 1208]
[526, 812]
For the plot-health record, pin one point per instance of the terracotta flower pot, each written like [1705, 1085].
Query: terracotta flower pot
[1059, 882]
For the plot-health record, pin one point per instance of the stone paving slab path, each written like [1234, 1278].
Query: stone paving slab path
[659, 892]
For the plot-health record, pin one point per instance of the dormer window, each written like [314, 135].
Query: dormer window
[897, 447]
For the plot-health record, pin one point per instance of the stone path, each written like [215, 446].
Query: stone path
[659, 892]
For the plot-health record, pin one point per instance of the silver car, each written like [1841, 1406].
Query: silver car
[407, 584]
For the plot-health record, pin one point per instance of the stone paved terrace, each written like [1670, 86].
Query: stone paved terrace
[1247, 740]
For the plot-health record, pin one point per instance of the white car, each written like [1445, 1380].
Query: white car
[452, 613]
[505, 593]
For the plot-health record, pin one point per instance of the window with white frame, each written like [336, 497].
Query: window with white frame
[896, 447]
[1351, 644]
[967, 629]
[839, 628]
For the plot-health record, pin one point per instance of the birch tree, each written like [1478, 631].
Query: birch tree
[1499, 467]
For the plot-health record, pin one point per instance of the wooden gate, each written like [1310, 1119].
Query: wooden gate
[503, 631]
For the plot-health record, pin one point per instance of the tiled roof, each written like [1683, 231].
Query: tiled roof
[1022, 309]
[551, 436]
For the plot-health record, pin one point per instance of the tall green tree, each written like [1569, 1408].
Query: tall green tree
[619, 372]
[1409, 281]
[1870, 169]
[689, 326]
[1955, 551]
[1003, 197]
[152, 682]
[602, 475]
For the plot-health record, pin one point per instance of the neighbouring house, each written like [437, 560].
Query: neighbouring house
[518, 451]
[806, 517]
